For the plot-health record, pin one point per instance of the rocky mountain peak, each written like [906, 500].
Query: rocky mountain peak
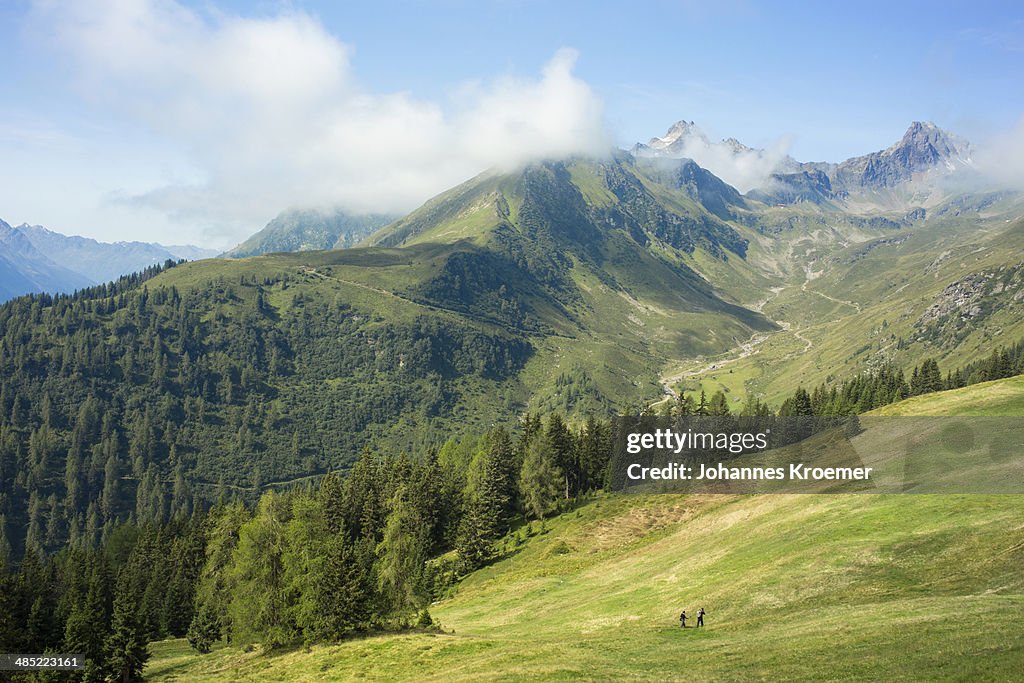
[924, 149]
[678, 136]
[677, 130]
[925, 144]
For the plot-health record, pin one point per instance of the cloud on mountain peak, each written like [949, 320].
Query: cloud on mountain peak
[271, 114]
[1000, 157]
[742, 167]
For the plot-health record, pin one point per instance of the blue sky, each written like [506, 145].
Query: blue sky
[181, 121]
[843, 78]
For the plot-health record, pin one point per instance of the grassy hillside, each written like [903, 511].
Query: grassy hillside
[808, 587]
[592, 265]
[811, 587]
[1000, 397]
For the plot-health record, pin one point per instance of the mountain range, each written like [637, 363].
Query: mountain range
[578, 286]
[24, 269]
[573, 289]
[622, 277]
[619, 277]
[34, 259]
[907, 176]
[913, 173]
[924, 157]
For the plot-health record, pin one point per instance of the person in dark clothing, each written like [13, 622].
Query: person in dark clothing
[700, 617]
[682, 619]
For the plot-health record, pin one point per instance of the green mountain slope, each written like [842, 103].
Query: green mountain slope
[799, 587]
[579, 286]
[575, 284]
[592, 264]
[999, 397]
[784, 579]
[850, 298]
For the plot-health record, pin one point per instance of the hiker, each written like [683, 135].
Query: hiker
[700, 618]
[682, 619]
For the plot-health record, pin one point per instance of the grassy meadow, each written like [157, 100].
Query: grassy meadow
[796, 587]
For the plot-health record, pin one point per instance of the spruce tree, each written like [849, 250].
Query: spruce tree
[401, 556]
[540, 478]
[126, 649]
[563, 449]
[339, 593]
[702, 405]
[86, 629]
[259, 606]
[204, 630]
[719, 405]
[477, 530]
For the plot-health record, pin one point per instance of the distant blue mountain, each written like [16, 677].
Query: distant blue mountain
[34, 259]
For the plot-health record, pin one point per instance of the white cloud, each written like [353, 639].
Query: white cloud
[1001, 157]
[271, 114]
[742, 167]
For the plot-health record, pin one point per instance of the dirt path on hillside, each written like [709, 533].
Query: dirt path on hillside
[668, 379]
[745, 350]
[360, 285]
[808, 344]
[810, 275]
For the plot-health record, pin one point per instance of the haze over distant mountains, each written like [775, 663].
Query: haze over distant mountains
[308, 230]
[924, 156]
[911, 175]
[34, 259]
[24, 269]
[908, 175]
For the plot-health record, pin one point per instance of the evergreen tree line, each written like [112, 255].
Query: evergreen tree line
[365, 551]
[136, 402]
[888, 384]
[104, 603]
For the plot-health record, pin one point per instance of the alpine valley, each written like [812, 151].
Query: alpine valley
[583, 286]
[349, 418]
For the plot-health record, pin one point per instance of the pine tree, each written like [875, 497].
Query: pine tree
[5, 546]
[259, 602]
[204, 630]
[111, 488]
[802, 406]
[185, 563]
[931, 377]
[332, 502]
[477, 529]
[563, 449]
[401, 556]
[684, 405]
[595, 451]
[702, 405]
[334, 593]
[719, 405]
[126, 648]
[539, 479]
[8, 609]
[181, 496]
[490, 488]
[86, 629]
